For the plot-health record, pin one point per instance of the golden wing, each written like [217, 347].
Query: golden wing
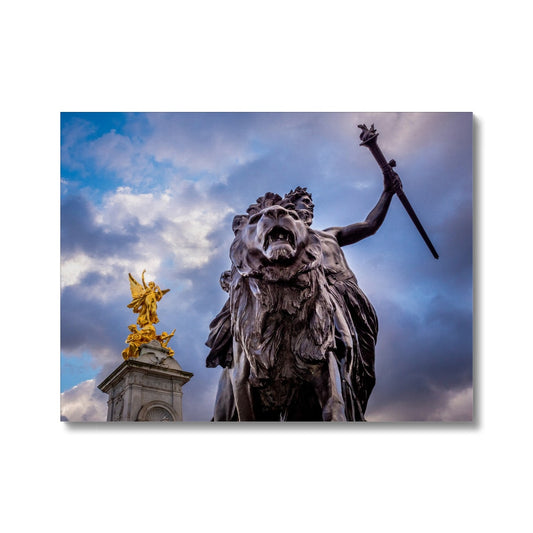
[135, 287]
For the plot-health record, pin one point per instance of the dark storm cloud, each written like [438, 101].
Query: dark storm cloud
[90, 323]
[421, 359]
[79, 231]
[292, 149]
[424, 349]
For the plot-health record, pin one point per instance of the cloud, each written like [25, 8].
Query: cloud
[458, 407]
[208, 143]
[455, 405]
[130, 232]
[177, 223]
[116, 152]
[82, 229]
[84, 403]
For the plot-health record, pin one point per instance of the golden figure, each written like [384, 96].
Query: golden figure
[144, 302]
[164, 338]
[137, 338]
[145, 298]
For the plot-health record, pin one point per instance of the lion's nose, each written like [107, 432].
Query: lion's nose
[275, 212]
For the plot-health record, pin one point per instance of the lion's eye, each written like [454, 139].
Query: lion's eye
[294, 215]
[254, 219]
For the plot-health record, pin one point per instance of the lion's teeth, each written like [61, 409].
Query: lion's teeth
[277, 235]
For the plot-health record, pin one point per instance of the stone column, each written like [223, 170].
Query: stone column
[147, 388]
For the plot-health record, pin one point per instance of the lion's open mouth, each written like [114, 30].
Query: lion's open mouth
[278, 236]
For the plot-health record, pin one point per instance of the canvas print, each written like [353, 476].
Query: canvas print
[266, 267]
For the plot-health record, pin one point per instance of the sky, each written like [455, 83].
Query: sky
[158, 191]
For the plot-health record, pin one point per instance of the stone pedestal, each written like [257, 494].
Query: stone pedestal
[146, 388]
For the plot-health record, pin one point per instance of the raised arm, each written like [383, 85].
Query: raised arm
[360, 230]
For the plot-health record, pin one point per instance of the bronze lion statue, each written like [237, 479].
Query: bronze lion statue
[296, 337]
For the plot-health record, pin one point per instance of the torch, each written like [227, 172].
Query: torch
[368, 138]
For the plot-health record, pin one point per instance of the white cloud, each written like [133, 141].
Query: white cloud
[123, 206]
[76, 267]
[171, 229]
[458, 407]
[84, 403]
[177, 224]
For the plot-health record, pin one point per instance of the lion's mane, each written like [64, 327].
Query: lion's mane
[283, 327]
[282, 313]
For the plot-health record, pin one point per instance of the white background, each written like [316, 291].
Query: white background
[275, 56]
